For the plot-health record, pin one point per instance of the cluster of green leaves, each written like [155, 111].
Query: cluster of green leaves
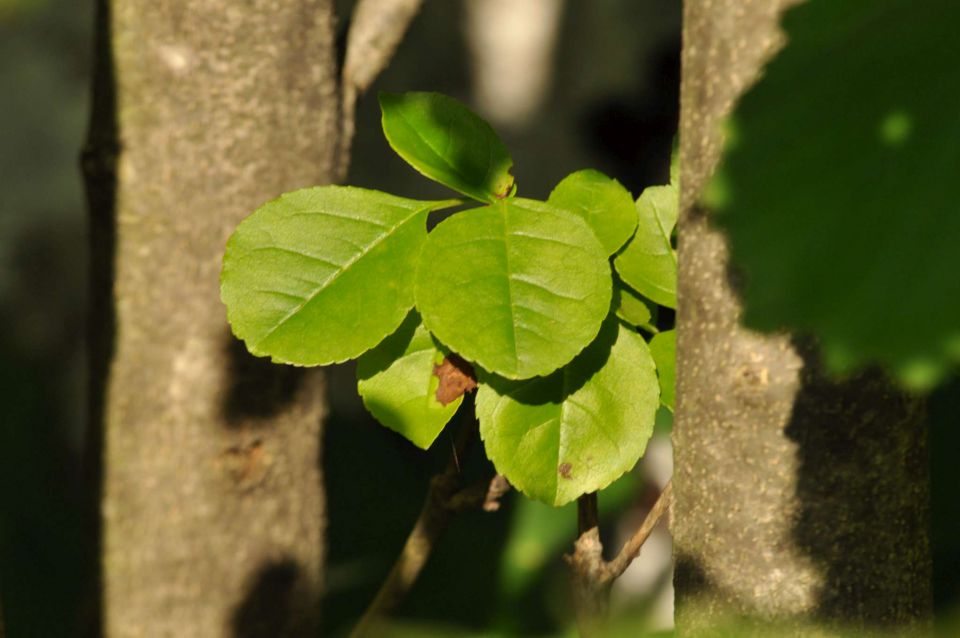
[838, 188]
[521, 289]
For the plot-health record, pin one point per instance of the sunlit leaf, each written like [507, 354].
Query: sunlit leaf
[649, 264]
[323, 274]
[602, 202]
[663, 347]
[518, 287]
[631, 307]
[445, 141]
[577, 430]
[397, 383]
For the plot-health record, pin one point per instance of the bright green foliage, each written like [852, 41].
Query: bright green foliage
[321, 275]
[663, 347]
[602, 202]
[398, 386]
[577, 430]
[519, 287]
[524, 289]
[445, 141]
[649, 264]
[631, 307]
[846, 221]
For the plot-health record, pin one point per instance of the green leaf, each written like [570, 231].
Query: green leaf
[519, 287]
[447, 142]
[323, 274]
[648, 263]
[577, 430]
[602, 202]
[663, 347]
[631, 307]
[398, 386]
[840, 195]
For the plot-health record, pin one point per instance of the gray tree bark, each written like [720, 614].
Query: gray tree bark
[796, 497]
[213, 507]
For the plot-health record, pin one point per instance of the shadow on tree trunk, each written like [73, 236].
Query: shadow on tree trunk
[279, 603]
[863, 491]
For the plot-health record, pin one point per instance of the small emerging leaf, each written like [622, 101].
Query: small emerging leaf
[397, 383]
[576, 431]
[447, 142]
[649, 264]
[602, 202]
[518, 287]
[663, 347]
[323, 274]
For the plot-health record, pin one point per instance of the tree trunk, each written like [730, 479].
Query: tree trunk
[795, 496]
[212, 501]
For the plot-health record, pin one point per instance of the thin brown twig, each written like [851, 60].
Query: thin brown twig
[631, 548]
[590, 589]
[445, 497]
[593, 576]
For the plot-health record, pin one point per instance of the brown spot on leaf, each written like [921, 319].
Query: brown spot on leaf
[566, 470]
[456, 379]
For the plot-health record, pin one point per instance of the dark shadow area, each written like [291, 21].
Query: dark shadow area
[944, 431]
[636, 132]
[98, 162]
[278, 605]
[688, 576]
[258, 388]
[863, 488]
[376, 484]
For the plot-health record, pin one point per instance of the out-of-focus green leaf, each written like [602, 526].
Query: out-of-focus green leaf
[447, 142]
[649, 264]
[558, 437]
[839, 192]
[602, 202]
[519, 287]
[323, 274]
[397, 383]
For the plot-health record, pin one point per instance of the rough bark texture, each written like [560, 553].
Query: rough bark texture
[213, 508]
[795, 496]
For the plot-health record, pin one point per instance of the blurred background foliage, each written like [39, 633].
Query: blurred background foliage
[610, 102]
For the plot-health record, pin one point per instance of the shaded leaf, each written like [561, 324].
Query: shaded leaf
[649, 264]
[663, 347]
[397, 383]
[839, 195]
[631, 307]
[321, 275]
[577, 430]
[518, 287]
[447, 142]
[602, 202]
